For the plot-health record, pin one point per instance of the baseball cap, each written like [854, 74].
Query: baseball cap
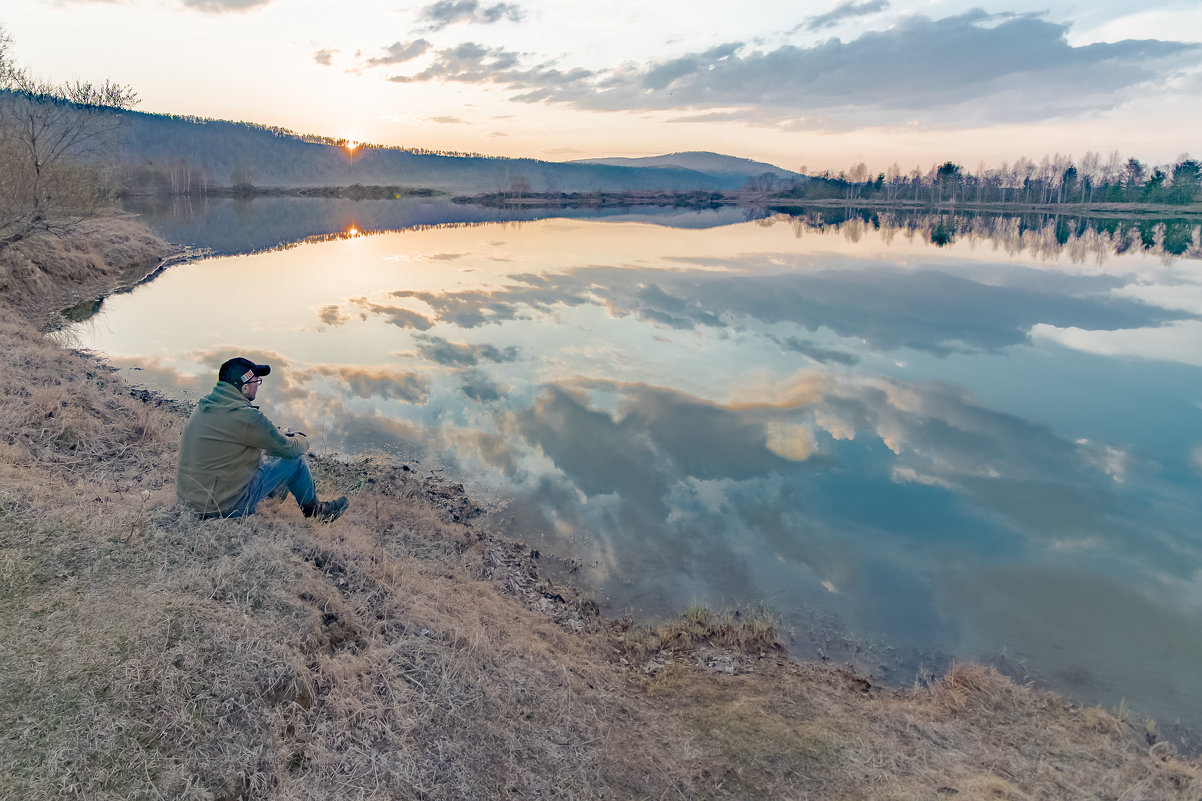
[238, 371]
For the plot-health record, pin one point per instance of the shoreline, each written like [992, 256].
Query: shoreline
[778, 203]
[407, 630]
[689, 199]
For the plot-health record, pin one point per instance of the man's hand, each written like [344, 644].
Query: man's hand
[289, 431]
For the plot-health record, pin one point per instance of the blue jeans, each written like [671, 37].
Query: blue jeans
[272, 474]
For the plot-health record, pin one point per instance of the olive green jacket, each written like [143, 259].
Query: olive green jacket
[221, 448]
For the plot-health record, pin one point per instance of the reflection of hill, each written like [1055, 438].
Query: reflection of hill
[226, 225]
[1040, 234]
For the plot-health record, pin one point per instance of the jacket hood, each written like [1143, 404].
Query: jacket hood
[224, 396]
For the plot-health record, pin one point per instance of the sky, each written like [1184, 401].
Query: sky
[802, 85]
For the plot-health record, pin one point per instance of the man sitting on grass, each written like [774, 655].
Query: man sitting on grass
[231, 456]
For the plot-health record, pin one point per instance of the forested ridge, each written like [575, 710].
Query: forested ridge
[163, 154]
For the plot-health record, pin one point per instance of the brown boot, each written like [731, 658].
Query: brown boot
[326, 511]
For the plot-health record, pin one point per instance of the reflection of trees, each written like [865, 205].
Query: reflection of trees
[1041, 235]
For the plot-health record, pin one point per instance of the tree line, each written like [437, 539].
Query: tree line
[1053, 180]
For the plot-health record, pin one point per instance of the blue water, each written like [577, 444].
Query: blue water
[909, 453]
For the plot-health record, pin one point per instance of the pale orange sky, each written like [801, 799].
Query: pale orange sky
[819, 85]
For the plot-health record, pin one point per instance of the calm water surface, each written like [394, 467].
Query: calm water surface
[985, 450]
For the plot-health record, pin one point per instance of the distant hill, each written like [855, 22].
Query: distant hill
[165, 154]
[157, 152]
[700, 161]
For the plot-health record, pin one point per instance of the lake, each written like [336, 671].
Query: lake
[910, 453]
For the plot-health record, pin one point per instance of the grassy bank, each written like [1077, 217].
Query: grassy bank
[405, 652]
[74, 261]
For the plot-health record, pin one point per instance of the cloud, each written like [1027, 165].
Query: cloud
[447, 120]
[450, 12]
[1180, 341]
[333, 315]
[769, 493]
[173, 383]
[479, 387]
[364, 382]
[403, 318]
[963, 70]
[222, 6]
[324, 57]
[883, 306]
[816, 352]
[399, 53]
[354, 432]
[453, 354]
[938, 435]
[473, 309]
[845, 10]
[468, 63]
[213, 358]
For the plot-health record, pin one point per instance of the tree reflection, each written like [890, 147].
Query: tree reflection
[1042, 235]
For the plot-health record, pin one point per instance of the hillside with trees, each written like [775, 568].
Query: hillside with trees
[166, 155]
[1055, 180]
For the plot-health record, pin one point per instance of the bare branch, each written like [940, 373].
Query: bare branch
[50, 137]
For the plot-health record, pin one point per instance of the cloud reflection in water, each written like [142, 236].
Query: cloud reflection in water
[820, 428]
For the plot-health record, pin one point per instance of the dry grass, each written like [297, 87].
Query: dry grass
[96, 255]
[401, 652]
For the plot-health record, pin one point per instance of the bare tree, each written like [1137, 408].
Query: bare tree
[517, 185]
[762, 185]
[856, 177]
[1091, 173]
[50, 137]
[892, 181]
